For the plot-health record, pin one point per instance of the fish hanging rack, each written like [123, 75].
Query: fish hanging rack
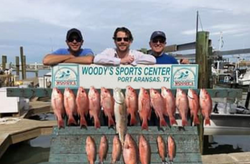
[46, 92]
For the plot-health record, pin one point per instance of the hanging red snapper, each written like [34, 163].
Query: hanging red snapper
[158, 105]
[107, 103]
[182, 105]
[82, 104]
[57, 106]
[206, 105]
[169, 102]
[193, 102]
[131, 104]
[94, 106]
[144, 107]
[70, 105]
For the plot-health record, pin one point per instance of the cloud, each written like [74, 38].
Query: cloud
[41, 26]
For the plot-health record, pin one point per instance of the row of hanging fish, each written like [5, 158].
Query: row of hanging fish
[131, 153]
[119, 106]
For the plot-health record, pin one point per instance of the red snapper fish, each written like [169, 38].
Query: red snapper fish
[70, 105]
[94, 106]
[103, 149]
[144, 150]
[117, 149]
[90, 149]
[158, 105]
[193, 102]
[107, 103]
[131, 104]
[57, 106]
[161, 148]
[82, 104]
[182, 105]
[144, 107]
[130, 150]
[171, 148]
[169, 102]
[206, 105]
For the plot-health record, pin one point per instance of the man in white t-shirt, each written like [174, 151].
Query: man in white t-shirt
[122, 53]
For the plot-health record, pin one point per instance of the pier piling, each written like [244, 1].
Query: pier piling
[4, 61]
[203, 81]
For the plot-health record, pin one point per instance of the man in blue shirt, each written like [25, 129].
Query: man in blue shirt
[157, 44]
[73, 54]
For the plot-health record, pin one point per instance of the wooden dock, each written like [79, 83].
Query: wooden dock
[22, 130]
[17, 129]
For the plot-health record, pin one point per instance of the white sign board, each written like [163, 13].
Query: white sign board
[153, 76]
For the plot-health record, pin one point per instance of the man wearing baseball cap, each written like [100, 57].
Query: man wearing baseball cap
[157, 44]
[73, 54]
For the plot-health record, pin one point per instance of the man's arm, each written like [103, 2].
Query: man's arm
[81, 60]
[107, 57]
[141, 58]
[52, 59]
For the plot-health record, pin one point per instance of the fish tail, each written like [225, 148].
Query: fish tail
[97, 123]
[144, 124]
[196, 120]
[207, 121]
[60, 123]
[184, 122]
[111, 121]
[133, 120]
[83, 121]
[71, 120]
[163, 122]
[173, 121]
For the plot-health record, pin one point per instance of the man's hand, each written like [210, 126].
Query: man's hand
[184, 61]
[127, 59]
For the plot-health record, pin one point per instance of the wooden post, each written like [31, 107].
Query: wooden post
[21, 56]
[17, 67]
[202, 60]
[24, 66]
[4, 61]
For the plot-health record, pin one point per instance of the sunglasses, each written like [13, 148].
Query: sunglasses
[76, 39]
[120, 39]
[158, 40]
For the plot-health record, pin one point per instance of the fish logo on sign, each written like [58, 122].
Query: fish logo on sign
[66, 77]
[184, 77]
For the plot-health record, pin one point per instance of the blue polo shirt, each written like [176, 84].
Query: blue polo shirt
[165, 59]
[65, 51]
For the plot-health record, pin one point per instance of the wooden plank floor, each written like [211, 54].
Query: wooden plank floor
[22, 130]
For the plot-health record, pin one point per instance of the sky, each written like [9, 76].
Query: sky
[41, 26]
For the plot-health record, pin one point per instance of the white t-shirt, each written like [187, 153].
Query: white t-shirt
[109, 56]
